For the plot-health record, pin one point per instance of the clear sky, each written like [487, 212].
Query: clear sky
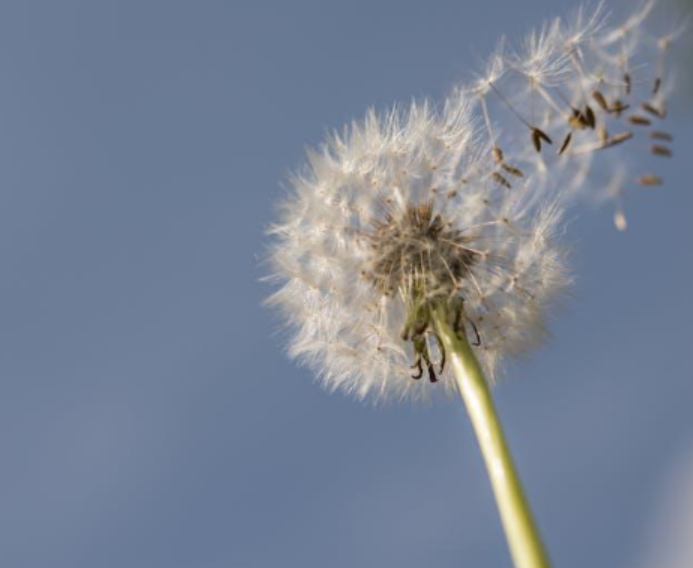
[148, 417]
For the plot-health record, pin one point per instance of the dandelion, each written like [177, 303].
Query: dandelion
[419, 249]
[400, 214]
[400, 240]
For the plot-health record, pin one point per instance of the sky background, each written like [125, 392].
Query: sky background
[148, 417]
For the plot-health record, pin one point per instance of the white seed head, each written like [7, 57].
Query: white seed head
[399, 213]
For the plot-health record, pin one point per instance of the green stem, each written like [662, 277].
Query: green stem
[520, 530]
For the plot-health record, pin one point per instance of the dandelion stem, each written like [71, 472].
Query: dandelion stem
[521, 532]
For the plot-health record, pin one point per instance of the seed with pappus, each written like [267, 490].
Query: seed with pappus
[393, 217]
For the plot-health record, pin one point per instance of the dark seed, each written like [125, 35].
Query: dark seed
[590, 118]
[601, 100]
[566, 143]
[659, 135]
[617, 139]
[517, 172]
[657, 86]
[501, 180]
[659, 113]
[650, 179]
[658, 150]
[639, 120]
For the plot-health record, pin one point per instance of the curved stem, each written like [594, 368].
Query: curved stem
[520, 530]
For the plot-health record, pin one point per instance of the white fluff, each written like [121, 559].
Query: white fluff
[460, 205]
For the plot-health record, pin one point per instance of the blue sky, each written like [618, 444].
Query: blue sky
[148, 416]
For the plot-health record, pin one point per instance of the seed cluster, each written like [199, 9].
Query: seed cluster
[417, 251]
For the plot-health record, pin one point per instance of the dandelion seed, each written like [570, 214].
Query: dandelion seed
[658, 150]
[617, 139]
[650, 179]
[517, 172]
[659, 113]
[601, 100]
[620, 221]
[659, 135]
[566, 143]
[538, 136]
[638, 120]
[501, 180]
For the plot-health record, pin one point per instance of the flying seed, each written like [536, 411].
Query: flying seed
[591, 120]
[578, 120]
[659, 113]
[601, 100]
[629, 83]
[620, 221]
[639, 120]
[659, 135]
[659, 150]
[501, 180]
[618, 108]
[566, 143]
[497, 155]
[657, 86]
[539, 135]
[649, 179]
[517, 172]
[617, 139]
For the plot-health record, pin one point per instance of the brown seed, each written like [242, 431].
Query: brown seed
[501, 180]
[566, 143]
[659, 113]
[659, 135]
[617, 139]
[497, 154]
[578, 120]
[639, 120]
[657, 86]
[513, 171]
[650, 179]
[603, 135]
[590, 119]
[618, 108]
[629, 83]
[601, 100]
[658, 150]
[539, 135]
[536, 140]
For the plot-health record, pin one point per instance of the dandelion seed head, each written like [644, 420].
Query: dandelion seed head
[393, 215]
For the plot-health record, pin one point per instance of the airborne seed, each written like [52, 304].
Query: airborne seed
[659, 135]
[650, 179]
[601, 100]
[501, 180]
[659, 113]
[539, 135]
[517, 172]
[657, 86]
[639, 120]
[659, 150]
[617, 139]
[566, 143]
